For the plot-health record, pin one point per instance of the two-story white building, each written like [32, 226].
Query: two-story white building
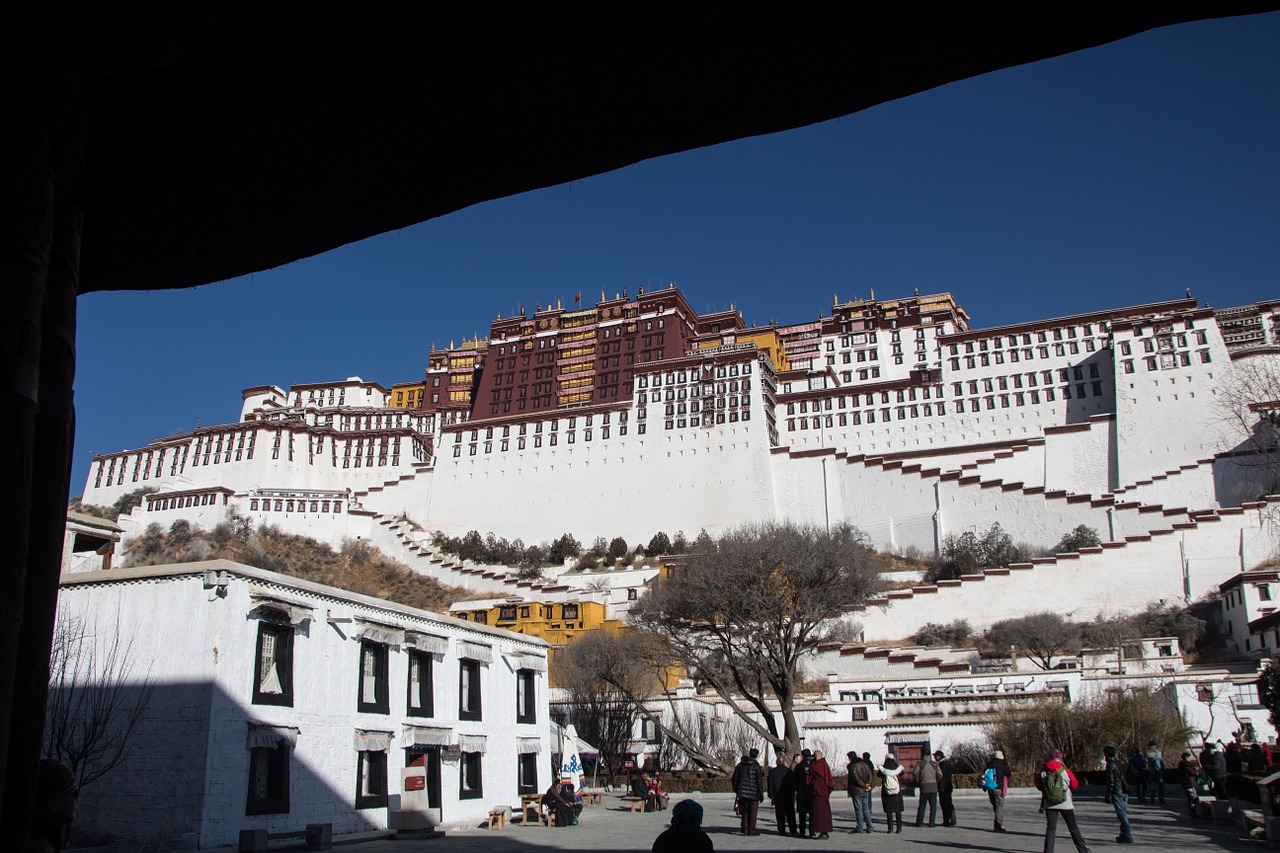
[276, 702]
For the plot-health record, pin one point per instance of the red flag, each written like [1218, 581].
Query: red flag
[577, 297]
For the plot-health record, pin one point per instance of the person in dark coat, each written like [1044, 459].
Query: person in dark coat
[945, 786]
[1188, 773]
[1137, 773]
[861, 780]
[804, 796]
[1234, 758]
[55, 806]
[1118, 793]
[559, 808]
[821, 784]
[1214, 764]
[685, 834]
[748, 784]
[640, 788]
[782, 793]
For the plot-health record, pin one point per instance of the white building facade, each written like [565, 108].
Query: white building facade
[277, 703]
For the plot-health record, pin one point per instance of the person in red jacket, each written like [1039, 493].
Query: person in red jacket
[1056, 782]
[821, 783]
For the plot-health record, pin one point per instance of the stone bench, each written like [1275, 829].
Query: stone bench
[317, 836]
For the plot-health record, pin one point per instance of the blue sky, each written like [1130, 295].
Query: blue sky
[1115, 176]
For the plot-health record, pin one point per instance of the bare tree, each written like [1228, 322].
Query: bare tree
[95, 702]
[602, 682]
[1042, 636]
[741, 612]
[1248, 408]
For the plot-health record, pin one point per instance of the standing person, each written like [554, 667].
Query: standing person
[685, 834]
[1155, 772]
[945, 787]
[782, 793]
[1187, 774]
[804, 796]
[995, 781]
[1233, 757]
[891, 792]
[869, 797]
[821, 784]
[1056, 782]
[928, 775]
[1214, 765]
[1118, 793]
[1136, 773]
[748, 784]
[861, 781]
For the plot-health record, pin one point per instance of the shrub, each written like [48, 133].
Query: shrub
[935, 634]
[1082, 537]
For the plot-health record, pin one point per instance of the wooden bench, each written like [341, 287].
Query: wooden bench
[498, 817]
[531, 811]
[637, 804]
[317, 836]
[592, 798]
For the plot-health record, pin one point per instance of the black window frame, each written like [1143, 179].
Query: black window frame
[471, 768]
[422, 705]
[470, 700]
[376, 762]
[283, 637]
[278, 780]
[381, 703]
[526, 689]
[527, 773]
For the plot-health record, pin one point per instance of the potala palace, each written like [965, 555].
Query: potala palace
[639, 415]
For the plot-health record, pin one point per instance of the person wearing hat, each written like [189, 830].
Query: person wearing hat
[998, 772]
[55, 806]
[945, 787]
[748, 784]
[1055, 775]
[685, 834]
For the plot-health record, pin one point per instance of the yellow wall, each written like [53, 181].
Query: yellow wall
[544, 620]
[765, 339]
[407, 395]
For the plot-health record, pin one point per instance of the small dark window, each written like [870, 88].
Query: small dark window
[526, 696]
[373, 694]
[371, 780]
[273, 667]
[469, 690]
[268, 781]
[470, 771]
[570, 611]
[507, 613]
[421, 702]
[527, 774]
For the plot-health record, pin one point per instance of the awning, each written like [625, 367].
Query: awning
[471, 743]
[270, 737]
[372, 741]
[537, 663]
[906, 737]
[475, 651]
[268, 606]
[421, 737]
[378, 632]
[528, 746]
[427, 643]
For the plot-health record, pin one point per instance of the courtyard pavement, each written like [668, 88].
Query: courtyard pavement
[612, 827]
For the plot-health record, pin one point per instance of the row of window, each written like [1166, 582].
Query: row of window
[1166, 361]
[282, 505]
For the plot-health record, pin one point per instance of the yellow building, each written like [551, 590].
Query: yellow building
[407, 395]
[765, 338]
[556, 622]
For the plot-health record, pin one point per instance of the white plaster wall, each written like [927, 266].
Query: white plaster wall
[192, 744]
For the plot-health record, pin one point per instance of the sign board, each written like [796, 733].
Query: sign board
[628, 764]
[416, 782]
[451, 752]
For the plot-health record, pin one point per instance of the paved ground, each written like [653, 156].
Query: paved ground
[611, 827]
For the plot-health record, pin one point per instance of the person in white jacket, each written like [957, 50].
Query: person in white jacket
[891, 792]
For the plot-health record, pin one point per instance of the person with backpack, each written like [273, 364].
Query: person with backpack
[861, 780]
[995, 781]
[1055, 782]
[1118, 793]
[1155, 773]
[1136, 773]
[748, 784]
[891, 792]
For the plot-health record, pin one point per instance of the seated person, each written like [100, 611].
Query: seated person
[640, 788]
[659, 795]
[558, 807]
[685, 834]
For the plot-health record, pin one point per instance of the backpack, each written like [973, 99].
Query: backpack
[891, 784]
[1055, 786]
[1131, 775]
[990, 782]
